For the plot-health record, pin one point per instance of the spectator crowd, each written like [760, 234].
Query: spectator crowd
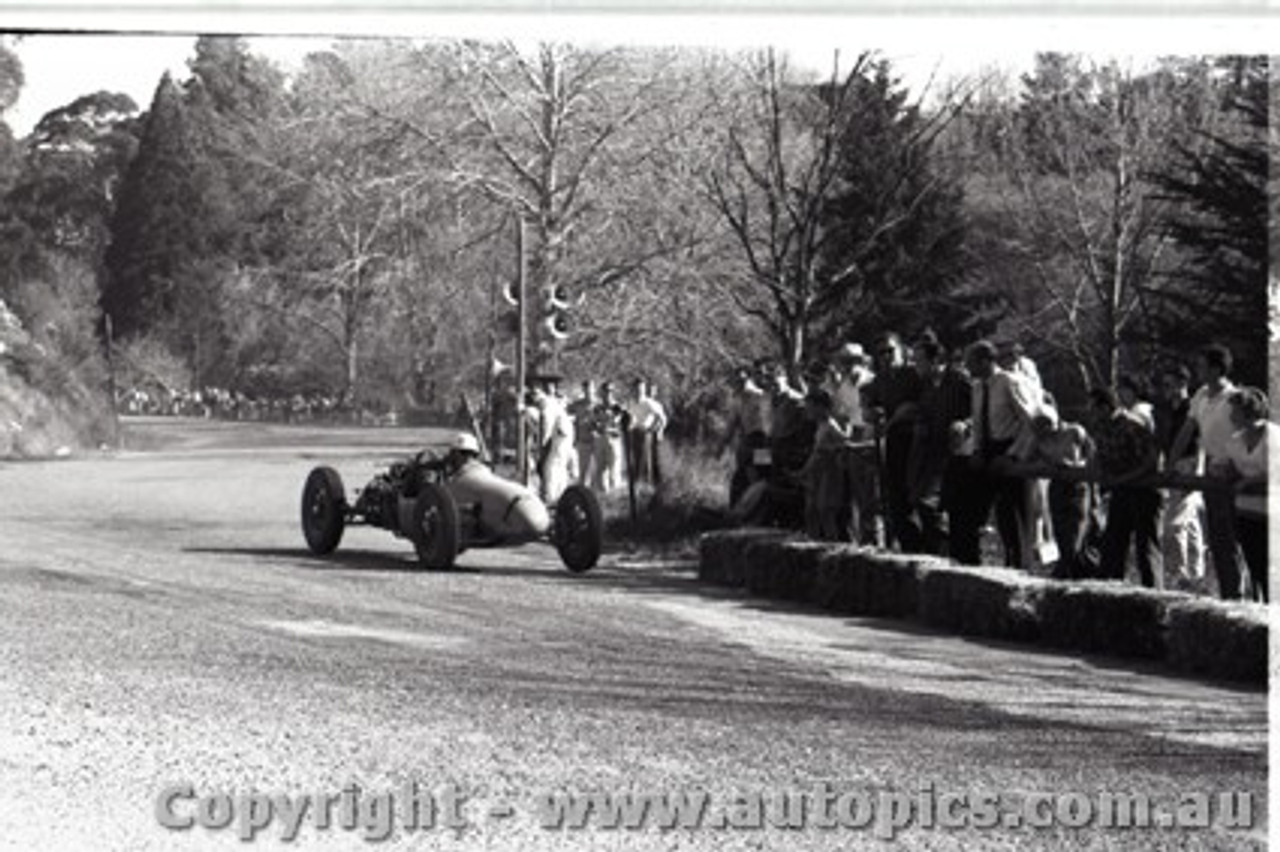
[223, 404]
[922, 450]
[598, 438]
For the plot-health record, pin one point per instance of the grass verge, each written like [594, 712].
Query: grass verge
[690, 500]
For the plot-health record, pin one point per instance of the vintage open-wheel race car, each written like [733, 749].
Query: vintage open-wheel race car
[447, 503]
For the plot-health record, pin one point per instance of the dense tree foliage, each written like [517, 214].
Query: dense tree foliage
[58, 190]
[349, 229]
[1070, 219]
[1218, 182]
[895, 258]
[845, 224]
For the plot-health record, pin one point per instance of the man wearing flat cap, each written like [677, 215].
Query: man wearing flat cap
[850, 373]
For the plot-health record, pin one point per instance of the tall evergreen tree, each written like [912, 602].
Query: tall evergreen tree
[173, 217]
[191, 207]
[1220, 186]
[894, 254]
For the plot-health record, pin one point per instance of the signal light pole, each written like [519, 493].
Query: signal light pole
[522, 443]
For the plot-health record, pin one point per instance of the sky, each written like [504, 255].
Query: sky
[59, 68]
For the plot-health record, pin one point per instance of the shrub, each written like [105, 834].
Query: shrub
[689, 501]
[52, 378]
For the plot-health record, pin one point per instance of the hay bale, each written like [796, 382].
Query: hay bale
[1218, 638]
[783, 569]
[1106, 617]
[834, 587]
[892, 583]
[722, 554]
[996, 602]
[866, 581]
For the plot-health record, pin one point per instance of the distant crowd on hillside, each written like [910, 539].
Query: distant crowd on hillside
[213, 402]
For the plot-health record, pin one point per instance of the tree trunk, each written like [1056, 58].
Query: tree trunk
[351, 372]
[549, 231]
[795, 355]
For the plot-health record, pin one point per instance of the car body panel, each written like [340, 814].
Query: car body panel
[503, 509]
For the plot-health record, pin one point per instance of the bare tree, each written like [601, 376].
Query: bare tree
[560, 130]
[822, 237]
[1079, 210]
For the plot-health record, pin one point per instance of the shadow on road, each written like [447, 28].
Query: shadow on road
[365, 560]
[680, 578]
[683, 580]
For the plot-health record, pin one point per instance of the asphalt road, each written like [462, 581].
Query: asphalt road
[161, 622]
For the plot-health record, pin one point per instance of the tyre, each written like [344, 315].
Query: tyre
[579, 529]
[437, 527]
[324, 510]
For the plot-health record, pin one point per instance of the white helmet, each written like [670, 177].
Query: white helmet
[465, 442]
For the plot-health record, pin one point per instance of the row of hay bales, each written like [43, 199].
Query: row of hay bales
[1203, 636]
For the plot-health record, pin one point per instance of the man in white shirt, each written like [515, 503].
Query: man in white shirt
[1013, 359]
[648, 423]
[555, 443]
[1181, 528]
[1209, 419]
[1003, 408]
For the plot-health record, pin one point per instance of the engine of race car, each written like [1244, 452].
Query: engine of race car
[380, 499]
[377, 502]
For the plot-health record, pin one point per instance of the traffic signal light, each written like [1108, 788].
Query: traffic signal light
[558, 325]
[511, 293]
[558, 307]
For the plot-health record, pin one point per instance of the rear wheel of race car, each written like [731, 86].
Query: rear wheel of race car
[324, 506]
[437, 527]
[579, 530]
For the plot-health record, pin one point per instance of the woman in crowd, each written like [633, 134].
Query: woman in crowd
[827, 513]
[1066, 447]
[1248, 457]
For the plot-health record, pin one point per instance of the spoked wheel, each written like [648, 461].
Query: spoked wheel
[579, 529]
[324, 505]
[437, 527]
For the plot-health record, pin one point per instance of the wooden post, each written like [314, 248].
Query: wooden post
[116, 437]
[491, 353]
[631, 474]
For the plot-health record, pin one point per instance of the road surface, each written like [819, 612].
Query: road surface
[162, 628]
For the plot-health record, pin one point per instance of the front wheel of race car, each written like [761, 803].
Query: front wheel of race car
[323, 510]
[579, 529]
[437, 527]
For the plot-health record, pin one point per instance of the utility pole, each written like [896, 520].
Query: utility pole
[522, 444]
[490, 435]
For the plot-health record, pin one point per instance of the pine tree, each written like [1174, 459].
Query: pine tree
[894, 253]
[173, 215]
[1220, 292]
